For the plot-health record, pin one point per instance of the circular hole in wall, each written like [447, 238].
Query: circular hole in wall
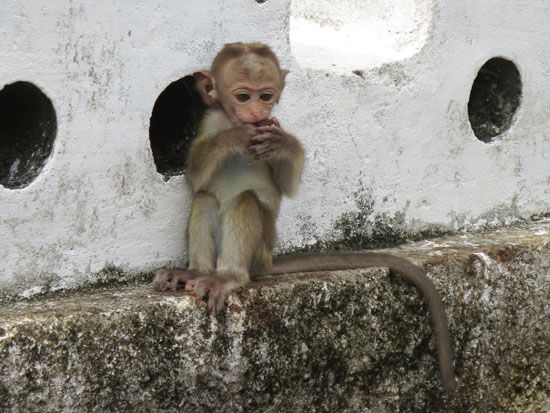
[494, 98]
[28, 126]
[173, 125]
[347, 35]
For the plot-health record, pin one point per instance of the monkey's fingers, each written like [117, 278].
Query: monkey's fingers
[276, 134]
[260, 139]
[266, 129]
[157, 285]
[209, 291]
[162, 276]
[200, 288]
[216, 300]
[190, 286]
[174, 283]
[199, 291]
[257, 147]
[170, 278]
[262, 149]
[265, 122]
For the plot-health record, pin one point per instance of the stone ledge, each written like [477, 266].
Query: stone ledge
[338, 341]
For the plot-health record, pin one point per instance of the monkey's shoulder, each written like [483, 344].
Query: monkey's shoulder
[213, 122]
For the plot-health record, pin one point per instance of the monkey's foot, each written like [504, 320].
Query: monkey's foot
[170, 279]
[213, 290]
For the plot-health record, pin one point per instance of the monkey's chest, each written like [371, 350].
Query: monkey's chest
[242, 173]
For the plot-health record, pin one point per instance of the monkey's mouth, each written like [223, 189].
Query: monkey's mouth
[265, 122]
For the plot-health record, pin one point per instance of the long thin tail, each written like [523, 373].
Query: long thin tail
[333, 261]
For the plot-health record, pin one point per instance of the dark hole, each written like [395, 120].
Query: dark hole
[27, 130]
[494, 98]
[173, 125]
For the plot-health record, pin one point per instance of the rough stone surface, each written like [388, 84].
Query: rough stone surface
[350, 341]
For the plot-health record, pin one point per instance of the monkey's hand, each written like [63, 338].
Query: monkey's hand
[272, 141]
[213, 290]
[208, 153]
[238, 138]
[170, 279]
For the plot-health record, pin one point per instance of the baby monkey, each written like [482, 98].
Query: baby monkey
[239, 166]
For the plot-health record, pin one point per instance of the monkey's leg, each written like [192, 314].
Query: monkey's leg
[242, 230]
[263, 257]
[201, 229]
[242, 234]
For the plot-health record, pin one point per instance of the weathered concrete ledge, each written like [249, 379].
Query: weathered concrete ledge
[342, 341]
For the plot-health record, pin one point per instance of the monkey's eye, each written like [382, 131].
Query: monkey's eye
[266, 97]
[242, 97]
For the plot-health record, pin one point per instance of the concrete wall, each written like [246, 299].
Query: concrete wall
[384, 121]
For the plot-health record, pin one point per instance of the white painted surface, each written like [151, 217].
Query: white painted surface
[343, 35]
[400, 133]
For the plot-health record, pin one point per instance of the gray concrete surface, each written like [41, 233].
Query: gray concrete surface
[347, 341]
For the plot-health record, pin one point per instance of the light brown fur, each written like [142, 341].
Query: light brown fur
[238, 172]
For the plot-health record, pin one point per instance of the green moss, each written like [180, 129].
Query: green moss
[363, 228]
[345, 341]
[105, 279]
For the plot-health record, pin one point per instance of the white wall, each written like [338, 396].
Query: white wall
[399, 133]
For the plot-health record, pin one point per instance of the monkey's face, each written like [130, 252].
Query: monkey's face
[250, 103]
[248, 90]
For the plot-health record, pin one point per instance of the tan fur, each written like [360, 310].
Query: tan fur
[242, 228]
[233, 51]
[287, 168]
[238, 173]
[203, 227]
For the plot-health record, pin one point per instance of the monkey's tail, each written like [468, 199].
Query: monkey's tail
[408, 270]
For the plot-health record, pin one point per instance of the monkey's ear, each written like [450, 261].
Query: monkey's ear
[284, 72]
[282, 75]
[206, 86]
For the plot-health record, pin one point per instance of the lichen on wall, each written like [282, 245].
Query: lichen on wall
[365, 227]
[391, 153]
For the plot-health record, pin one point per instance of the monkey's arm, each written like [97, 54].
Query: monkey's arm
[208, 153]
[284, 154]
[288, 170]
